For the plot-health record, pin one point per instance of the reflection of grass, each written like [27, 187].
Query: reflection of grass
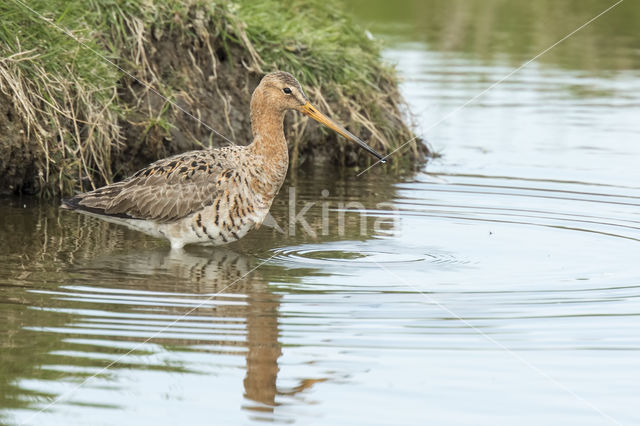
[584, 91]
[487, 29]
[334, 254]
[74, 104]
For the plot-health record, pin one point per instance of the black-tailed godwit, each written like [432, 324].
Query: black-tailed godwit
[212, 196]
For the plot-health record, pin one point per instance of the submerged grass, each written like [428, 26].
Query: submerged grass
[71, 115]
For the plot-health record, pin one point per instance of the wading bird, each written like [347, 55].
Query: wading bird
[212, 196]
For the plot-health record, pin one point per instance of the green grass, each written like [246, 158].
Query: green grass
[315, 40]
[70, 98]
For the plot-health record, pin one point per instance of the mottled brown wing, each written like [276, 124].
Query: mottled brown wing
[165, 191]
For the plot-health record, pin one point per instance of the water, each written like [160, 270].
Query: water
[500, 284]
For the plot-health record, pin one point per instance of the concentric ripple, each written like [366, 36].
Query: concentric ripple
[347, 254]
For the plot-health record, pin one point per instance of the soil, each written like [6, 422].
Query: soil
[19, 155]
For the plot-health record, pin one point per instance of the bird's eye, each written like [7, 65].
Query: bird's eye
[287, 90]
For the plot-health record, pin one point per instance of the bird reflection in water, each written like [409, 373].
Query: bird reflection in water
[231, 292]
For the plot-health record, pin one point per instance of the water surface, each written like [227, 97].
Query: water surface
[499, 284]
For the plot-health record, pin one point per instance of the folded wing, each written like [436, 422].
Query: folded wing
[165, 191]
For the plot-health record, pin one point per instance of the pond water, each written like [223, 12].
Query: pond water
[499, 284]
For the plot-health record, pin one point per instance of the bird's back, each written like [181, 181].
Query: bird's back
[168, 189]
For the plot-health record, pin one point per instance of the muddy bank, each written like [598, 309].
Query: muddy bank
[62, 137]
[17, 156]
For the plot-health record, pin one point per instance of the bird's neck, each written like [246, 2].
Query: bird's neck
[269, 144]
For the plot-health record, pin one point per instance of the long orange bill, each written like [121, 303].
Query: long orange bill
[311, 111]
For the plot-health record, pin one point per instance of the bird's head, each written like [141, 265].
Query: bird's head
[281, 90]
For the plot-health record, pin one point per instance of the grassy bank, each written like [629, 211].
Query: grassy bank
[69, 120]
